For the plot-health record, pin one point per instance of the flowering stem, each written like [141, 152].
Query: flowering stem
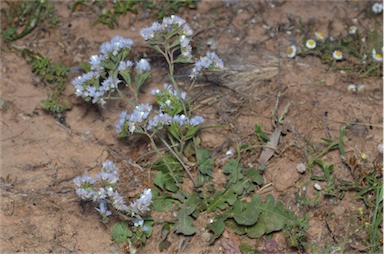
[126, 98]
[186, 168]
[153, 144]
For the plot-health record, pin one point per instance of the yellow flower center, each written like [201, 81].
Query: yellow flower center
[290, 50]
[378, 56]
[311, 43]
[338, 53]
[320, 35]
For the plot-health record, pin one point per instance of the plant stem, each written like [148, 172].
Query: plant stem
[186, 168]
[153, 144]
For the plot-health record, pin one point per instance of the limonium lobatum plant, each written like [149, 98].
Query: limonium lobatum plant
[171, 39]
[170, 120]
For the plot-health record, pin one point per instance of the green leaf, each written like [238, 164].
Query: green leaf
[254, 176]
[165, 230]
[204, 161]
[170, 174]
[246, 248]
[217, 227]
[121, 232]
[234, 227]
[233, 168]
[184, 220]
[221, 199]
[263, 138]
[273, 216]
[183, 224]
[165, 182]
[245, 212]
[161, 202]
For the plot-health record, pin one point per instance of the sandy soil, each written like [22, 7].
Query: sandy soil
[40, 156]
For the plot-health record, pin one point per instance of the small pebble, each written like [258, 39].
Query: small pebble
[301, 168]
[317, 186]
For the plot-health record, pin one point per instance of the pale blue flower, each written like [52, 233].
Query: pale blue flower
[109, 167]
[95, 62]
[196, 120]
[86, 194]
[110, 83]
[180, 119]
[142, 204]
[109, 177]
[103, 211]
[85, 179]
[210, 61]
[102, 193]
[118, 202]
[159, 120]
[138, 222]
[149, 32]
[122, 118]
[187, 30]
[219, 64]
[115, 45]
[123, 66]
[142, 66]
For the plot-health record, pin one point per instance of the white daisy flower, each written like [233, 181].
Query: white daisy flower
[352, 88]
[319, 36]
[352, 29]
[361, 88]
[337, 55]
[291, 51]
[377, 8]
[311, 44]
[377, 56]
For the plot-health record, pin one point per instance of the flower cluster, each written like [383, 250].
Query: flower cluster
[170, 113]
[169, 100]
[115, 46]
[210, 61]
[102, 79]
[138, 120]
[142, 204]
[135, 120]
[170, 26]
[377, 8]
[107, 193]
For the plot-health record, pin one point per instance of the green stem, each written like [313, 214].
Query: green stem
[125, 97]
[179, 159]
[153, 144]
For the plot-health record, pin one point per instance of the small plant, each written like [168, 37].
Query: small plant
[26, 16]
[102, 190]
[51, 74]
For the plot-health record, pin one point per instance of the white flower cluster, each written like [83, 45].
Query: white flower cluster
[209, 61]
[90, 86]
[107, 193]
[141, 205]
[172, 24]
